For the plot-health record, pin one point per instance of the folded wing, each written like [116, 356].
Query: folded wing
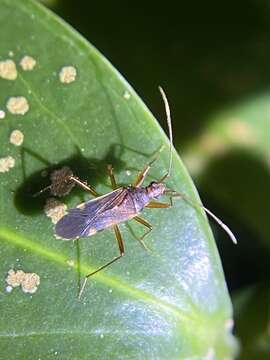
[80, 221]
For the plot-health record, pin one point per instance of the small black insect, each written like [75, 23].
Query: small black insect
[120, 205]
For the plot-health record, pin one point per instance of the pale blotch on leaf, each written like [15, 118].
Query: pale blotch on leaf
[6, 163]
[28, 63]
[17, 105]
[55, 209]
[126, 95]
[28, 281]
[15, 278]
[16, 137]
[70, 263]
[2, 114]
[8, 70]
[61, 183]
[67, 74]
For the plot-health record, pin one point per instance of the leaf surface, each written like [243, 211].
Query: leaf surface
[168, 303]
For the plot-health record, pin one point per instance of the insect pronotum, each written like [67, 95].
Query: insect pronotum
[122, 204]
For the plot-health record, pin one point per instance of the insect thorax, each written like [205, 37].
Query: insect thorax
[143, 195]
[155, 190]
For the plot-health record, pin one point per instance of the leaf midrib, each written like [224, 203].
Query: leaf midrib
[113, 282]
[72, 332]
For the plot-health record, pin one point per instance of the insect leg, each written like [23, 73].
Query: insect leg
[158, 205]
[142, 221]
[121, 251]
[77, 181]
[142, 174]
[84, 185]
[112, 177]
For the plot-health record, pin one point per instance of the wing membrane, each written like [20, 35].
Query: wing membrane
[78, 220]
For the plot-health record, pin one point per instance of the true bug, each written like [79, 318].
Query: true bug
[120, 205]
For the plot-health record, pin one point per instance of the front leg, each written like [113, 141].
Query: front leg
[84, 185]
[158, 205]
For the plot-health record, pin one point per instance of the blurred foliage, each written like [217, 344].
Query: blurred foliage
[231, 161]
[252, 315]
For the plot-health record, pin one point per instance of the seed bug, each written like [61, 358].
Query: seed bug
[122, 204]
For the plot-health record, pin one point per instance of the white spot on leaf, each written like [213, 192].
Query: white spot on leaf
[126, 95]
[2, 114]
[6, 163]
[28, 63]
[55, 210]
[17, 105]
[8, 70]
[28, 281]
[16, 137]
[67, 74]
[70, 263]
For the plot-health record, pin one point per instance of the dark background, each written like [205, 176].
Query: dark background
[208, 56]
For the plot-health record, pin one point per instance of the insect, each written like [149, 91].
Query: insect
[122, 204]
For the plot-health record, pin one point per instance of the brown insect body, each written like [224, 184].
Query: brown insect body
[138, 197]
[105, 211]
[131, 202]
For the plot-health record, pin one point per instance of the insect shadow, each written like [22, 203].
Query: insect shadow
[92, 170]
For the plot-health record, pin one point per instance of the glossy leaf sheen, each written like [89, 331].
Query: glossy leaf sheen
[166, 304]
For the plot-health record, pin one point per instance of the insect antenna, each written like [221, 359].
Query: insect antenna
[169, 123]
[41, 191]
[168, 173]
[212, 215]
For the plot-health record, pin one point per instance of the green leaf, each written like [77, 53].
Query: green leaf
[231, 161]
[171, 302]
